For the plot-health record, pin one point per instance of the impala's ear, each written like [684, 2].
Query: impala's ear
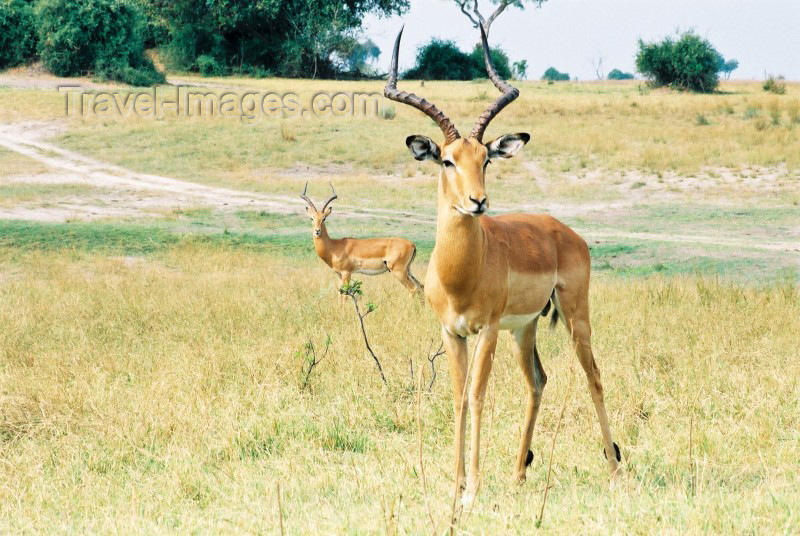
[327, 212]
[423, 148]
[508, 145]
[308, 211]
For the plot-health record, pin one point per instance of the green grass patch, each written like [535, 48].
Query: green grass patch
[138, 239]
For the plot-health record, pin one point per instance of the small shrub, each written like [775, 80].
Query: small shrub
[690, 62]
[102, 36]
[616, 74]
[554, 75]
[751, 112]
[209, 66]
[387, 112]
[794, 112]
[775, 113]
[287, 134]
[775, 84]
[17, 33]
[702, 121]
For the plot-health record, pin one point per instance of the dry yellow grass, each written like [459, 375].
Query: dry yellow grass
[162, 394]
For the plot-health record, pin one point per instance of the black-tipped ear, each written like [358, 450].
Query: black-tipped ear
[508, 145]
[423, 148]
[327, 212]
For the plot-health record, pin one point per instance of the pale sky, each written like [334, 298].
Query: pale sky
[764, 35]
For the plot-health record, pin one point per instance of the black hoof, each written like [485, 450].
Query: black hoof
[616, 451]
[529, 459]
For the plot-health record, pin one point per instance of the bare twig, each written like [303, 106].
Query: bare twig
[353, 290]
[311, 360]
[432, 361]
[477, 19]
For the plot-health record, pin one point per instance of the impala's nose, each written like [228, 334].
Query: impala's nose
[317, 232]
[479, 205]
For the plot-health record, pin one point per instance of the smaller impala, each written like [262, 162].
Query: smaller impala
[369, 256]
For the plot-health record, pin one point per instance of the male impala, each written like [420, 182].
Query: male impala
[491, 274]
[370, 256]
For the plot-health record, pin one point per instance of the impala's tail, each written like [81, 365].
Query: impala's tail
[551, 302]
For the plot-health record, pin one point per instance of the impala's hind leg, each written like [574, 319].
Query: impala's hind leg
[524, 347]
[401, 269]
[573, 304]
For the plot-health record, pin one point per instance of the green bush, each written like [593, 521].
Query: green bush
[554, 75]
[209, 66]
[690, 62]
[775, 84]
[616, 74]
[17, 33]
[102, 36]
[443, 60]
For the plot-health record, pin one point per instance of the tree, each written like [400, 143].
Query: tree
[616, 74]
[470, 9]
[295, 38]
[688, 62]
[102, 36]
[554, 75]
[597, 65]
[443, 60]
[357, 56]
[17, 33]
[520, 69]
[727, 67]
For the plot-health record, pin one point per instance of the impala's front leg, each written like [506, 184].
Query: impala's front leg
[456, 348]
[484, 354]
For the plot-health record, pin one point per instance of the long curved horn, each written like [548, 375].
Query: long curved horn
[331, 198]
[509, 93]
[308, 200]
[428, 108]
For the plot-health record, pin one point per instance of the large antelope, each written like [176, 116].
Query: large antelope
[497, 273]
[369, 256]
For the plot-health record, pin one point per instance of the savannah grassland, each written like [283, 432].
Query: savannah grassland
[151, 367]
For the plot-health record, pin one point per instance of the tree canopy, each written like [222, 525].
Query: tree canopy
[443, 60]
[686, 62]
[294, 38]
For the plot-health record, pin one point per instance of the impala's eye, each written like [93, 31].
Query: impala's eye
[448, 164]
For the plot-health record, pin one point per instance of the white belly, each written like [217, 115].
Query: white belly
[512, 322]
[372, 272]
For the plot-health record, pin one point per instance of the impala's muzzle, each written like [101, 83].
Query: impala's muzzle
[479, 205]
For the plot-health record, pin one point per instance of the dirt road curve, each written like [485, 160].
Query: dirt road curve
[125, 193]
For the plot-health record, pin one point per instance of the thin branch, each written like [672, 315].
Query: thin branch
[354, 291]
[432, 361]
[462, 4]
[312, 361]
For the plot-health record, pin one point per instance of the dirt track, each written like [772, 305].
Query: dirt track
[126, 193]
